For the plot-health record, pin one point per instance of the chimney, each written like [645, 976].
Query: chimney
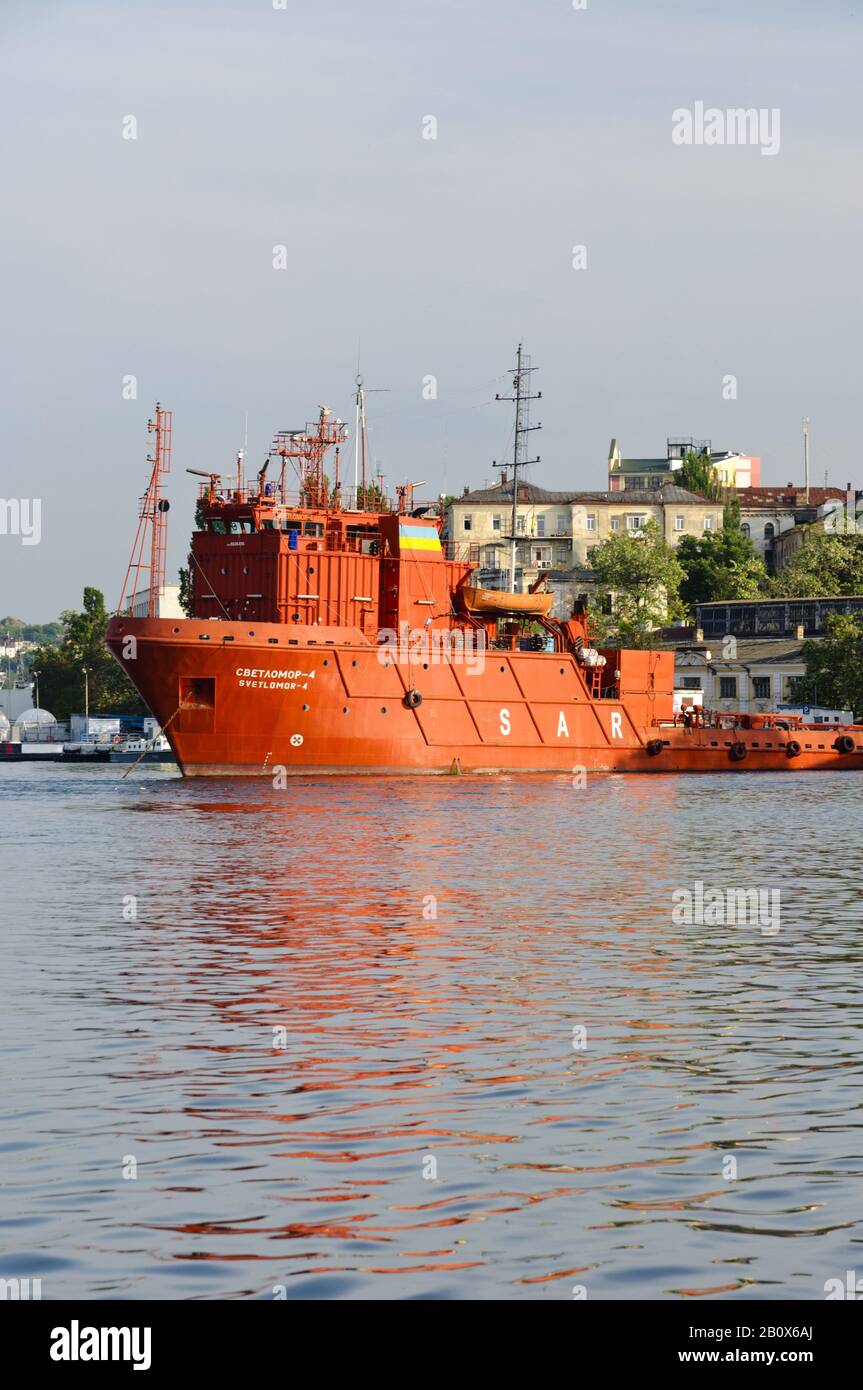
[466, 492]
[503, 476]
[799, 632]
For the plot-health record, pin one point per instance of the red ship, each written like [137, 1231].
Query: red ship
[333, 632]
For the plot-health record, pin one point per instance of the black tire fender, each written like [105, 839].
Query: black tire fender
[792, 748]
[412, 699]
[737, 752]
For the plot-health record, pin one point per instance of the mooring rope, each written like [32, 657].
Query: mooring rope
[152, 742]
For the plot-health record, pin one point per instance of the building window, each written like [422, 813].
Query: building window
[467, 522]
[708, 523]
[519, 525]
[561, 554]
[691, 682]
[540, 525]
[679, 523]
[561, 524]
[791, 689]
[761, 687]
[495, 522]
[769, 531]
[635, 523]
[489, 558]
[615, 523]
[744, 526]
[591, 521]
[656, 482]
[728, 687]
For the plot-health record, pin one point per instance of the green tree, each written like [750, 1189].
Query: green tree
[373, 499]
[61, 669]
[825, 566]
[638, 577]
[834, 666]
[48, 634]
[720, 564]
[186, 596]
[697, 474]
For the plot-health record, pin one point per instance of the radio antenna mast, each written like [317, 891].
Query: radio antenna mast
[522, 398]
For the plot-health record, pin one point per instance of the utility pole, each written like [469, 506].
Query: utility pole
[86, 702]
[522, 398]
[806, 456]
[360, 440]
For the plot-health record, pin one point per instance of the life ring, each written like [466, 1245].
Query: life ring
[844, 744]
[654, 747]
[737, 752]
[412, 699]
[792, 748]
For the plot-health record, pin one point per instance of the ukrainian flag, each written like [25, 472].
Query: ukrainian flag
[413, 537]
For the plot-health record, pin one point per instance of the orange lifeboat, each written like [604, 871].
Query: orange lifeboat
[500, 601]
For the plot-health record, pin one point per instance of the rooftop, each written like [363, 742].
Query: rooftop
[788, 496]
[531, 494]
[756, 651]
[748, 602]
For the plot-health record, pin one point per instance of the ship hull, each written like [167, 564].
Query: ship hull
[279, 702]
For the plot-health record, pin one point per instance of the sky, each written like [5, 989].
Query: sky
[304, 125]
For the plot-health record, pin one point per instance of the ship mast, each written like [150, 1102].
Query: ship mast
[522, 398]
[152, 519]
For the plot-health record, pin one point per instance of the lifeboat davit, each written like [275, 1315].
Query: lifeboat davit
[500, 601]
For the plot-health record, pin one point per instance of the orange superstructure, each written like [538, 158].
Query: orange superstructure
[334, 633]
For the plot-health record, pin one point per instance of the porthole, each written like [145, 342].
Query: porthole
[383, 709]
[345, 709]
[305, 709]
[326, 661]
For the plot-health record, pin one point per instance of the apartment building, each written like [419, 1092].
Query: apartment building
[732, 469]
[555, 531]
[754, 675]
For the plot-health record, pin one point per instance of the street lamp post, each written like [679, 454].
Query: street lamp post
[86, 703]
[35, 675]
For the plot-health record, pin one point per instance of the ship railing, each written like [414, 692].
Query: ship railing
[465, 552]
[222, 492]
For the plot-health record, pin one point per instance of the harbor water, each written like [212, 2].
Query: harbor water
[429, 1038]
